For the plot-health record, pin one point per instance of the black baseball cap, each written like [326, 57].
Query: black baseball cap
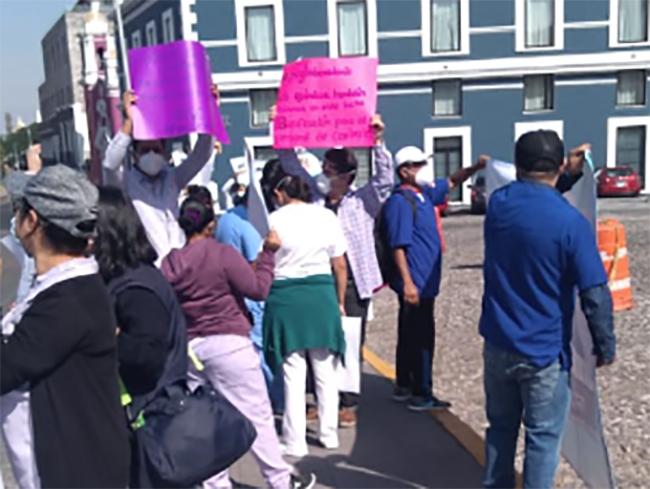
[539, 151]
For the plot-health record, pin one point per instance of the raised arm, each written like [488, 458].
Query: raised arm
[380, 185]
[201, 153]
[119, 145]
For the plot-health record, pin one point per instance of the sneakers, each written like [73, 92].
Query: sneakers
[302, 482]
[423, 404]
[401, 394]
[347, 418]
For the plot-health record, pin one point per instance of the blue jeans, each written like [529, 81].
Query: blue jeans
[515, 389]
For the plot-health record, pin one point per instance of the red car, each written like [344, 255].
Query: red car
[618, 181]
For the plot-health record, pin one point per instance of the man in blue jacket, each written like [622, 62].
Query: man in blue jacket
[538, 251]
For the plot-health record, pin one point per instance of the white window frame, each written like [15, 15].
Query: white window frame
[613, 29]
[253, 142]
[522, 128]
[151, 33]
[278, 17]
[425, 10]
[168, 17]
[250, 107]
[520, 28]
[613, 123]
[136, 39]
[333, 27]
[465, 133]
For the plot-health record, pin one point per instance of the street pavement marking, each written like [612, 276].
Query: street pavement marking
[469, 439]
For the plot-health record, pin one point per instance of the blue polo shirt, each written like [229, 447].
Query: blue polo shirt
[418, 235]
[235, 230]
[538, 250]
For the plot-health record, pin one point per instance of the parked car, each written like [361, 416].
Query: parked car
[619, 181]
[478, 195]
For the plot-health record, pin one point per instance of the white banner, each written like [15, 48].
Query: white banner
[349, 375]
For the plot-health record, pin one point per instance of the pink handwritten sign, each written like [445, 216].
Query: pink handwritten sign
[326, 102]
[172, 83]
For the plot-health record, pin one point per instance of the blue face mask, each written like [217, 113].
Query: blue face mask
[323, 183]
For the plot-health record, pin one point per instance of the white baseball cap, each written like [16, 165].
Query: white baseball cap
[410, 154]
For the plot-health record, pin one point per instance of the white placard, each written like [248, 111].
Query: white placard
[349, 375]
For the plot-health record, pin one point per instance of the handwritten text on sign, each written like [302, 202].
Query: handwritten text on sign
[326, 102]
[172, 101]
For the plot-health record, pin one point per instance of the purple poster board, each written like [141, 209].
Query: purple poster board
[172, 82]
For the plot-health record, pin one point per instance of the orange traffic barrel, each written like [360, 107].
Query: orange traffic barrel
[613, 251]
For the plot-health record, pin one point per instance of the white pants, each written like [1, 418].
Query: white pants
[294, 422]
[16, 419]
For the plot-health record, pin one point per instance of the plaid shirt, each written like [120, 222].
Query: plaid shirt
[357, 212]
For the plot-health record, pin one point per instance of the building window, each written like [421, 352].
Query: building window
[150, 32]
[538, 93]
[632, 21]
[448, 159]
[539, 24]
[630, 88]
[451, 148]
[445, 27]
[260, 32]
[168, 25]
[364, 165]
[352, 27]
[631, 149]
[447, 97]
[352, 22]
[136, 39]
[261, 102]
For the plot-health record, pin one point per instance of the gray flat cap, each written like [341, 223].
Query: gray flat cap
[15, 184]
[64, 197]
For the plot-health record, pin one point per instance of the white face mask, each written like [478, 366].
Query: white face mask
[424, 176]
[151, 163]
[323, 183]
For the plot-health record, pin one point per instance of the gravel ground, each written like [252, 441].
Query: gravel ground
[624, 393]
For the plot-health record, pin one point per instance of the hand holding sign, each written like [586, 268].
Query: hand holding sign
[326, 102]
[174, 102]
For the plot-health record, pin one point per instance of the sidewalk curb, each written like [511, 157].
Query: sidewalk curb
[469, 439]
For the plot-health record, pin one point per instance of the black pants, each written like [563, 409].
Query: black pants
[356, 307]
[415, 346]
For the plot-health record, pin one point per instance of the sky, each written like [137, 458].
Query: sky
[23, 23]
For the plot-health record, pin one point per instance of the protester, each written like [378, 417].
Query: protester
[64, 346]
[357, 210]
[411, 232]
[302, 319]
[211, 280]
[15, 415]
[538, 249]
[152, 339]
[152, 183]
[235, 230]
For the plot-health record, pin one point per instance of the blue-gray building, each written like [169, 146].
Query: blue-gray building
[457, 77]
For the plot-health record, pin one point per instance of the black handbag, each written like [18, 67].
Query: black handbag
[184, 437]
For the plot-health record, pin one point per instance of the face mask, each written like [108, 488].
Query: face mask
[424, 176]
[323, 183]
[12, 227]
[151, 163]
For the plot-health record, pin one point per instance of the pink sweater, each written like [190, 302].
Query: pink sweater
[211, 281]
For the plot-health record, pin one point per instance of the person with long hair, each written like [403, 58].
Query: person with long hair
[152, 338]
[211, 281]
[302, 319]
